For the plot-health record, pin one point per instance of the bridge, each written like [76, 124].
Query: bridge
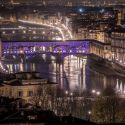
[53, 47]
[24, 50]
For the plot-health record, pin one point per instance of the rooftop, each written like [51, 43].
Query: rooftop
[120, 29]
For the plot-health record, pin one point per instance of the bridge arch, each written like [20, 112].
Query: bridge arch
[61, 48]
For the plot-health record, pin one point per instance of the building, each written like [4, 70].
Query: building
[102, 50]
[25, 86]
[98, 35]
[117, 38]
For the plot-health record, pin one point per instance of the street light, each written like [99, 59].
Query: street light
[89, 115]
[71, 94]
[120, 61]
[93, 91]
[98, 93]
[13, 32]
[24, 31]
[89, 112]
[66, 92]
[34, 32]
[3, 32]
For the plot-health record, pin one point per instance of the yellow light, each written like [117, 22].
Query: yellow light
[44, 24]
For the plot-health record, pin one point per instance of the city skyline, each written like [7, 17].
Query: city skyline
[62, 60]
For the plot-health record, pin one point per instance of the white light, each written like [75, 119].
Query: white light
[70, 34]
[83, 51]
[14, 56]
[34, 11]
[66, 92]
[120, 61]
[44, 56]
[24, 31]
[21, 51]
[43, 32]
[43, 48]
[58, 38]
[43, 24]
[89, 112]
[81, 10]
[21, 27]
[93, 91]
[71, 94]
[3, 32]
[98, 93]
[34, 32]
[13, 32]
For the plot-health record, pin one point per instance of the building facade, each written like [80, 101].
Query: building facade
[25, 89]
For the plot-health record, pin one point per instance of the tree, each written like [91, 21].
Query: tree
[42, 97]
[107, 107]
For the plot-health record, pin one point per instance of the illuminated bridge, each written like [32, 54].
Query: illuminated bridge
[31, 48]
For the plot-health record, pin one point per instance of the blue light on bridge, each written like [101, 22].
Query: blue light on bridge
[74, 47]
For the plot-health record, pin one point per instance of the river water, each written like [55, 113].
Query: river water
[73, 73]
[76, 75]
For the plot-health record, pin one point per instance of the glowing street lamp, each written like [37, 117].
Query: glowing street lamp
[93, 91]
[3, 32]
[120, 61]
[66, 92]
[24, 31]
[13, 32]
[89, 112]
[71, 94]
[98, 93]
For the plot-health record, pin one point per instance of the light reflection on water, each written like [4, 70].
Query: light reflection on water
[72, 73]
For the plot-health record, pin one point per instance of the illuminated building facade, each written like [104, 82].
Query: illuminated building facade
[25, 86]
[118, 44]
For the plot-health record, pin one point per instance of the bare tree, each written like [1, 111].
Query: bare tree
[107, 108]
[42, 97]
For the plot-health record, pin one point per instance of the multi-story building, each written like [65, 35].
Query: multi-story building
[25, 86]
[117, 38]
[98, 35]
[100, 49]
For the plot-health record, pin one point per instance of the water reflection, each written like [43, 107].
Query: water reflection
[72, 73]
[75, 76]
[69, 73]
